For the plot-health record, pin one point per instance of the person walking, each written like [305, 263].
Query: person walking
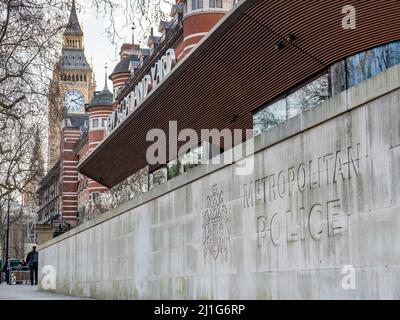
[4, 270]
[32, 260]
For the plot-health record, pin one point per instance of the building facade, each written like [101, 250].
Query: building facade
[317, 218]
[72, 84]
[315, 198]
[72, 87]
[89, 191]
[308, 75]
[157, 75]
[80, 117]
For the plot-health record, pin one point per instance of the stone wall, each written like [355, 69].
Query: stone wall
[324, 194]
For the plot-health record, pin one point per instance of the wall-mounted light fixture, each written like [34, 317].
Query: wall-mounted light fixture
[234, 118]
[279, 45]
[291, 38]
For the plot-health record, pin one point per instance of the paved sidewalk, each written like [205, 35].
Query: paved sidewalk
[27, 292]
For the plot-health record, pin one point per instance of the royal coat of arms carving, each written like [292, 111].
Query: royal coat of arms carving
[215, 225]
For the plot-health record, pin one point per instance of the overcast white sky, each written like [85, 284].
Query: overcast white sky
[98, 48]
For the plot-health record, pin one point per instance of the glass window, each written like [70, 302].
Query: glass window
[197, 4]
[338, 77]
[95, 123]
[192, 158]
[361, 67]
[353, 71]
[301, 100]
[341, 76]
[160, 176]
[370, 63]
[95, 197]
[174, 169]
[269, 117]
[104, 122]
[215, 3]
[387, 56]
[308, 96]
[393, 53]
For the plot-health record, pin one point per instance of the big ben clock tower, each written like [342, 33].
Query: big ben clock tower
[72, 86]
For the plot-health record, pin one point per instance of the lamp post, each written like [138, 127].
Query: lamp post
[7, 241]
[133, 34]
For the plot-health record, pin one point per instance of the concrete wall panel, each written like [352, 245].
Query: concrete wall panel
[324, 194]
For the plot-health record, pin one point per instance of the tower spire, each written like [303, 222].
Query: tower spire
[105, 78]
[37, 158]
[133, 34]
[73, 28]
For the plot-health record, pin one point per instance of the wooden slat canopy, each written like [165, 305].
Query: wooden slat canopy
[237, 68]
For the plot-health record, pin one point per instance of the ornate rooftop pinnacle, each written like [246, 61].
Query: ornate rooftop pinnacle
[105, 79]
[73, 28]
[103, 98]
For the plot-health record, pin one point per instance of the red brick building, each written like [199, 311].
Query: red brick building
[66, 196]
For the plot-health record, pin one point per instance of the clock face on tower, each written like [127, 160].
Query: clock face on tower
[73, 100]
